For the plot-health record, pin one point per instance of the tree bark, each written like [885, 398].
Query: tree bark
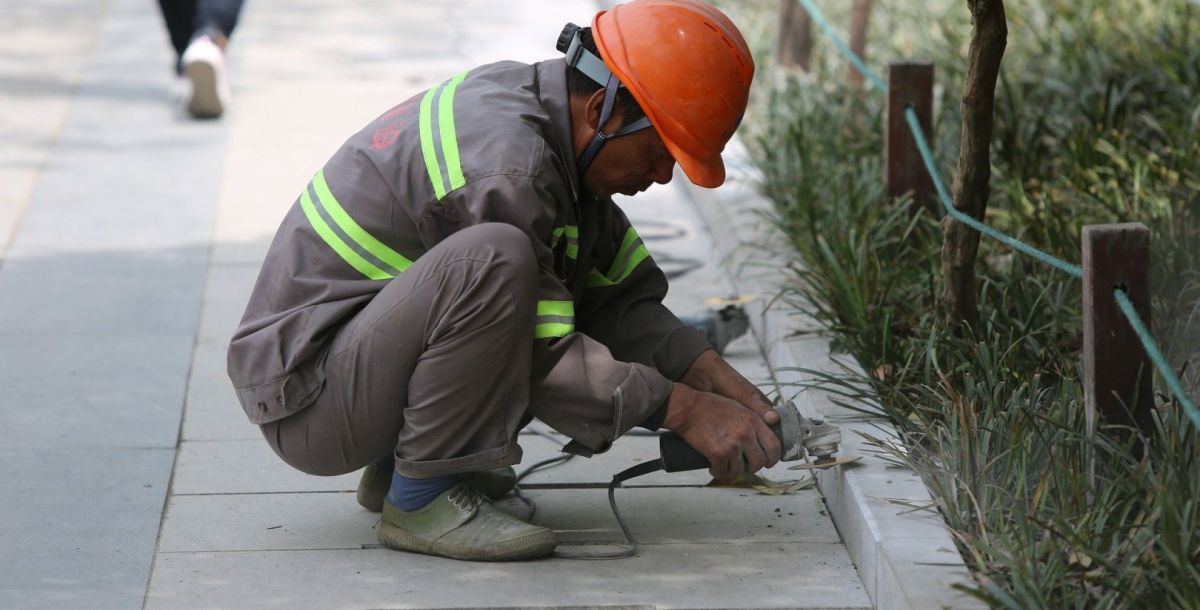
[989, 36]
[793, 45]
[860, 17]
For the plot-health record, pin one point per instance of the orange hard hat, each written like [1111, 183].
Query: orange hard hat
[689, 69]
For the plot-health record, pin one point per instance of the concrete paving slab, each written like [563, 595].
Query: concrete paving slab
[266, 522]
[97, 294]
[684, 515]
[772, 575]
[79, 524]
[36, 89]
[207, 467]
[87, 391]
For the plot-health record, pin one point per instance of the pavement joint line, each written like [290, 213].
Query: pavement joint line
[234, 551]
[234, 265]
[535, 486]
[375, 546]
[529, 487]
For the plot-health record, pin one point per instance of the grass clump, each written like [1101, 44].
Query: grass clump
[1097, 121]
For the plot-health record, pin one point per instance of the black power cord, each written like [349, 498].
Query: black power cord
[626, 549]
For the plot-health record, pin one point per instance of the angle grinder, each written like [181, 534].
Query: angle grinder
[799, 437]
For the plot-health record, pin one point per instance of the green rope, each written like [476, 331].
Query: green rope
[1156, 356]
[1073, 270]
[914, 125]
[850, 55]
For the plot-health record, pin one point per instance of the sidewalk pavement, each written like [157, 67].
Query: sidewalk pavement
[131, 476]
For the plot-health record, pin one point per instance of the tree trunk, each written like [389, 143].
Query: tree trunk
[860, 17]
[793, 46]
[989, 36]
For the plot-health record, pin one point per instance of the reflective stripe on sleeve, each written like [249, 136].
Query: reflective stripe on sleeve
[344, 236]
[554, 319]
[448, 169]
[355, 232]
[346, 252]
[631, 253]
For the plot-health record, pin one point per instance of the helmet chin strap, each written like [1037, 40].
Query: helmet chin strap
[598, 140]
[585, 61]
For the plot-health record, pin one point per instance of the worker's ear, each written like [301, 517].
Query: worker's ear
[595, 105]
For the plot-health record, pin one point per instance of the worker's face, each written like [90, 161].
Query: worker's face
[627, 165]
[630, 164]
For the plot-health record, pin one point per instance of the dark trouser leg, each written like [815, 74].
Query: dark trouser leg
[180, 16]
[435, 368]
[219, 15]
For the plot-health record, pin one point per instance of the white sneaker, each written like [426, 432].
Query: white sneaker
[204, 66]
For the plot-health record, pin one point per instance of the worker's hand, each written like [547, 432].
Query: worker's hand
[734, 439]
[710, 373]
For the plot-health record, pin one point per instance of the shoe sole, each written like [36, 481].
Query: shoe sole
[206, 100]
[525, 547]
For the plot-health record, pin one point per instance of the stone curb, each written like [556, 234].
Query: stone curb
[905, 555]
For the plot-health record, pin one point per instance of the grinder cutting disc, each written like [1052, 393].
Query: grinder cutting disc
[827, 463]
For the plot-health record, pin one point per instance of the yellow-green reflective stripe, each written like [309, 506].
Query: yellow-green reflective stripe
[427, 149]
[630, 237]
[448, 134]
[572, 251]
[556, 308]
[546, 331]
[638, 256]
[563, 314]
[572, 230]
[346, 252]
[595, 279]
[368, 242]
[617, 273]
[555, 236]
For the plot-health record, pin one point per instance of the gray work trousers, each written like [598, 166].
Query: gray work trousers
[436, 368]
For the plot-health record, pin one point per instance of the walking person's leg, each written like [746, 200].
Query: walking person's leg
[203, 61]
[179, 15]
[213, 17]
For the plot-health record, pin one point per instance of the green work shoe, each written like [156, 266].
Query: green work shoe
[376, 481]
[462, 524]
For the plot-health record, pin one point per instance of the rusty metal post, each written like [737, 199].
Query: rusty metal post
[910, 83]
[793, 45]
[1117, 375]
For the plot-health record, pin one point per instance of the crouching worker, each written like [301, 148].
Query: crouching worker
[458, 268]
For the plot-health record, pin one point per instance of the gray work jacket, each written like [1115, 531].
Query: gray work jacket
[492, 144]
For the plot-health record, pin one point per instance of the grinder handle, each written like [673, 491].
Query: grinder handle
[677, 455]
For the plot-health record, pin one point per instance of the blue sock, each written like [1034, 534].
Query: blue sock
[408, 494]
